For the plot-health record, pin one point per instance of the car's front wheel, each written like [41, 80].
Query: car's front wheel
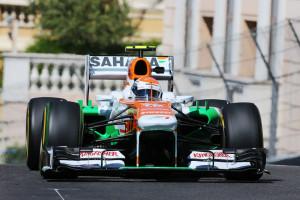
[62, 127]
[243, 130]
[34, 117]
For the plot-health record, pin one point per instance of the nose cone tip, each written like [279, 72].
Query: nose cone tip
[157, 122]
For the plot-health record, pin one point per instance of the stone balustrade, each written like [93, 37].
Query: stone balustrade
[48, 74]
[23, 19]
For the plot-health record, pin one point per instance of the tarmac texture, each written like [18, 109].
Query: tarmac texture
[17, 182]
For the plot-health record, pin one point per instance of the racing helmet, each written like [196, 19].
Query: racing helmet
[146, 88]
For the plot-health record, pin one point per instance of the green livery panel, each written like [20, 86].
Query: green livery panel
[210, 115]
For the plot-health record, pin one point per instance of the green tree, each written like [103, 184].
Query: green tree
[81, 26]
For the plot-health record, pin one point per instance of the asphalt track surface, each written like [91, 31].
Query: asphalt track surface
[17, 182]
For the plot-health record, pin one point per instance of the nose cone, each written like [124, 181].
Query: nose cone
[157, 122]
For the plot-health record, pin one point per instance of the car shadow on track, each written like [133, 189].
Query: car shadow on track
[173, 180]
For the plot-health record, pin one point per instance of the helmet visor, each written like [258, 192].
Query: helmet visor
[147, 93]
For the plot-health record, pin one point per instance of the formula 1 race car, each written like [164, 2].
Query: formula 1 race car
[143, 130]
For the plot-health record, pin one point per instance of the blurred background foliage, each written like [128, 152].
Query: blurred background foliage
[81, 27]
[15, 155]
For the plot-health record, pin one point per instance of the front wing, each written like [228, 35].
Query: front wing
[95, 161]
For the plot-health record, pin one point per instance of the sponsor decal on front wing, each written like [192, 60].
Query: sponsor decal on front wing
[100, 153]
[206, 155]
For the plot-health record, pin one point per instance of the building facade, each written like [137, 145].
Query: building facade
[191, 24]
[233, 36]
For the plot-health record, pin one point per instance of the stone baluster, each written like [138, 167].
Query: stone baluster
[108, 85]
[119, 85]
[82, 76]
[66, 78]
[55, 78]
[113, 85]
[44, 78]
[76, 79]
[30, 20]
[4, 17]
[101, 86]
[76, 83]
[13, 14]
[91, 86]
[22, 19]
[34, 78]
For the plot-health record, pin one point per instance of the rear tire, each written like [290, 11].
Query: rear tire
[243, 130]
[34, 119]
[63, 127]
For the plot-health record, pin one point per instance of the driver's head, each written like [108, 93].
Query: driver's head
[146, 88]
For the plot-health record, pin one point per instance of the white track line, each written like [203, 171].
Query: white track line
[57, 192]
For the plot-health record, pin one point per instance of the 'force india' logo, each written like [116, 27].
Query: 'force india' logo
[117, 61]
[100, 153]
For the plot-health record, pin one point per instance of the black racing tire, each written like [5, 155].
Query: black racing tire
[242, 126]
[34, 117]
[242, 130]
[219, 103]
[62, 127]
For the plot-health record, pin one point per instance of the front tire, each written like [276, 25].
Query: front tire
[62, 127]
[34, 117]
[243, 130]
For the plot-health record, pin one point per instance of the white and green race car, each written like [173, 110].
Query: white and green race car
[142, 129]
